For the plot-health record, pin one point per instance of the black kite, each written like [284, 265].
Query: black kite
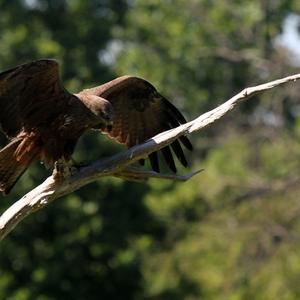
[43, 121]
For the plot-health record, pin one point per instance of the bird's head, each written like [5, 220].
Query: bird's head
[102, 111]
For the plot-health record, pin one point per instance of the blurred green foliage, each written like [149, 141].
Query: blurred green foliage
[233, 231]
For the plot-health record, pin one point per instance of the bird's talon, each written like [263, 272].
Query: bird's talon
[63, 170]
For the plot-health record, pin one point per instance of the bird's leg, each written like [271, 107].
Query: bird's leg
[64, 169]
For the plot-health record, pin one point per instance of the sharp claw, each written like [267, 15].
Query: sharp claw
[63, 169]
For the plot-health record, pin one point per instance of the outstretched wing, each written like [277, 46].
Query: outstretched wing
[30, 95]
[140, 113]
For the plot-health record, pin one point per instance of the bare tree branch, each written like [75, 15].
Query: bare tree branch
[57, 186]
[138, 174]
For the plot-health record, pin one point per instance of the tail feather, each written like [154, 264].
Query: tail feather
[11, 166]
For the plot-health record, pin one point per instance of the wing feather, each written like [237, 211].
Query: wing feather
[140, 113]
[176, 147]
[153, 157]
[169, 158]
[29, 94]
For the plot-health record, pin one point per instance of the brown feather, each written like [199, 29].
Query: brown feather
[140, 113]
[10, 168]
[37, 111]
[28, 92]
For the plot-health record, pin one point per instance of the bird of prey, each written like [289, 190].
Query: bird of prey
[43, 120]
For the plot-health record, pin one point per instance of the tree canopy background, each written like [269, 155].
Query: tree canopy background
[231, 232]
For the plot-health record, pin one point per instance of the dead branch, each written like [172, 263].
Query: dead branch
[56, 186]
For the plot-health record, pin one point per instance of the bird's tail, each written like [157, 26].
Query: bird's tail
[14, 160]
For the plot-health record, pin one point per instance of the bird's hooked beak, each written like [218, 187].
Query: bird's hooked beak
[103, 111]
[107, 114]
